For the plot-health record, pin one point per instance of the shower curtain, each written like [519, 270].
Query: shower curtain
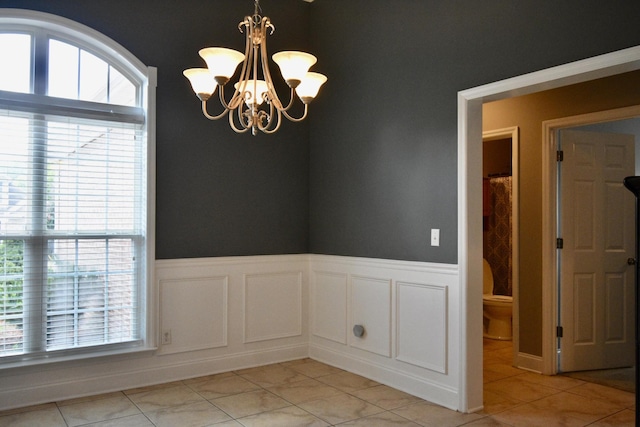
[499, 242]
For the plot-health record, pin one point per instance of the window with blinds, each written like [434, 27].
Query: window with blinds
[73, 198]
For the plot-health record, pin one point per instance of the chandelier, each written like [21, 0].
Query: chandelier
[255, 104]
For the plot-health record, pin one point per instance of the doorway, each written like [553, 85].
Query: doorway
[469, 194]
[595, 127]
[500, 148]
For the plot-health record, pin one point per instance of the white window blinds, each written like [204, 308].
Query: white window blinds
[71, 225]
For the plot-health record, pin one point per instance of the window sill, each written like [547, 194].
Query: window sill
[24, 364]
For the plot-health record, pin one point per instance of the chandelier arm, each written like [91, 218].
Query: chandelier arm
[292, 99]
[247, 65]
[235, 101]
[209, 116]
[248, 56]
[297, 119]
[273, 95]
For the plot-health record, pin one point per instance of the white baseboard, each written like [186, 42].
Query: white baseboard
[113, 376]
[529, 362]
[401, 380]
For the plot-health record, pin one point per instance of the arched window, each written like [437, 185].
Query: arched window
[76, 208]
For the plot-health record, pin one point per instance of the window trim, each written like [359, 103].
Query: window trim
[45, 25]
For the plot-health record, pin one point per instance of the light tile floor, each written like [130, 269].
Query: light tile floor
[310, 393]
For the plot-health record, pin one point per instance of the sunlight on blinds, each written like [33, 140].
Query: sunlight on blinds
[71, 220]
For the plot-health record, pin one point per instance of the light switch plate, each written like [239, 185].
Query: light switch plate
[435, 237]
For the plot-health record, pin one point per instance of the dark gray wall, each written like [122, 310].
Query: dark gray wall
[383, 139]
[382, 136]
[218, 193]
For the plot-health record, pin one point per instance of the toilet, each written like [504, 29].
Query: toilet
[496, 309]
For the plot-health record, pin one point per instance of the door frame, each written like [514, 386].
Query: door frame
[550, 282]
[469, 336]
[513, 133]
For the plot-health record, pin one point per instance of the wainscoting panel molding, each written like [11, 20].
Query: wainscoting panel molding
[422, 325]
[272, 306]
[193, 314]
[371, 309]
[329, 309]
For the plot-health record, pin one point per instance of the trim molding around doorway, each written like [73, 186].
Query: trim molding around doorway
[550, 301]
[470, 194]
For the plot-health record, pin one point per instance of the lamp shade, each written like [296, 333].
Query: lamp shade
[259, 86]
[201, 81]
[222, 62]
[294, 65]
[310, 85]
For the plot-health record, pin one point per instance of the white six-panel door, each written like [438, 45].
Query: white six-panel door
[597, 228]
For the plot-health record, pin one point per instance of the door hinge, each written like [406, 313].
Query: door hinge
[559, 243]
[559, 155]
[559, 331]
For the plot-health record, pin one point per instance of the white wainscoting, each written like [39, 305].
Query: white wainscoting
[222, 314]
[409, 312]
[231, 313]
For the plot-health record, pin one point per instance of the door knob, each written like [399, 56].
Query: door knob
[631, 261]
